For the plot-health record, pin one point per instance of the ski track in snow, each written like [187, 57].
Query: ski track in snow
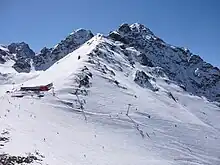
[156, 130]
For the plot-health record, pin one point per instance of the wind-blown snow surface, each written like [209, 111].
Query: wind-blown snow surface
[101, 116]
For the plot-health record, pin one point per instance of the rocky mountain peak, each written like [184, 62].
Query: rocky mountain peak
[140, 45]
[48, 57]
[135, 28]
[136, 34]
[140, 28]
[71, 42]
[22, 50]
[81, 33]
[23, 55]
[179, 64]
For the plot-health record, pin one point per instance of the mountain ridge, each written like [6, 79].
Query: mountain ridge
[180, 64]
[111, 103]
[189, 70]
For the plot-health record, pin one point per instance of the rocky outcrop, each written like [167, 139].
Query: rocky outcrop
[21, 50]
[20, 53]
[6, 159]
[22, 65]
[144, 60]
[143, 80]
[41, 59]
[4, 54]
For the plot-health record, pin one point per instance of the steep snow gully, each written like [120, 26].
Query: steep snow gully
[127, 98]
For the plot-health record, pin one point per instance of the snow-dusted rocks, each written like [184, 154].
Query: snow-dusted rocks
[4, 54]
[136, 56]
[144, 60]
[72, 42]
[179, 64]
[22, 65]
[195, 59]
[143, 80]
[25, 58]
[48, 57]
[20, 53]
[21, 50]
[41, 60]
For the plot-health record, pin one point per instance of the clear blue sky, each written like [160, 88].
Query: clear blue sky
[191, 23]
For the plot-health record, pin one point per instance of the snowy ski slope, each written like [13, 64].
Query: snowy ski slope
[110, 119]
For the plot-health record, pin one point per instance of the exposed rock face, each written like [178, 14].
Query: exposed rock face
[42, 58]
[48, 57]
[22, 66]
[22, 50]
[6, 159]
[3, 54]
[144, 60]
[179, 64]
[22, 55]
[72, 42]
[142, 79]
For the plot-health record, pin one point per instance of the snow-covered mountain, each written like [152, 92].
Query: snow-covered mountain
[19, 53]
[126, 98]
[48, 57]
[179, 64]
[24, 57]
